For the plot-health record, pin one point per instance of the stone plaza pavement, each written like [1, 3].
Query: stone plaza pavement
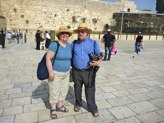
[128, 89]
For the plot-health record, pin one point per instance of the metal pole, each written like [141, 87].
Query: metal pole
[122, 18]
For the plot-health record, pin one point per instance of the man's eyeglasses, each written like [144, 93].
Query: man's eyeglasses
[82, 31]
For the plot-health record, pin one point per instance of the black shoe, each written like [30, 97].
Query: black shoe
[104, 60]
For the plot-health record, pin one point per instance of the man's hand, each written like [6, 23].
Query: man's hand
[94, 63]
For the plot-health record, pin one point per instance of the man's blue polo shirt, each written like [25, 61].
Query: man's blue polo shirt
[82, 50]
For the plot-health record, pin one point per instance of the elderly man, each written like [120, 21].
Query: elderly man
[84, 68]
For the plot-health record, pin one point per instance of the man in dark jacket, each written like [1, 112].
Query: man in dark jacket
[138, 42]
[2, 39]
[38, 38]
[108, 39]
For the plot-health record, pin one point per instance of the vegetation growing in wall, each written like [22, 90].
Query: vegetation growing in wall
[15, 10]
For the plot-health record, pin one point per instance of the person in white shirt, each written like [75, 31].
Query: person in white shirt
[48, 39]
[9, 37]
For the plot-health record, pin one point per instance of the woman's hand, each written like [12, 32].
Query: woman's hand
[51, 76]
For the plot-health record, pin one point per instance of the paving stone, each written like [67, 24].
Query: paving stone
[139, 97]
[142, 107]
[7, 119]
[121, 93]
[1, 111]
[32, 88]
[30, 117]
[20, 85]
[154, 88]
[124, 86]
[39, 92]
[21, 101]
[5, 81]
[5, 103]
[40, 98]
[108, 89]
[162, 86]
[140, 84]
[152, 83]
[13, 90]
[34, 107]
[129, 120]
[151, 117]
[118, 101]
[12, 110]
[161, 112]
[62, 120]
[44, 115]
[99, 90]
[3, 97]
[104, 117]
[7, 86]
[122, 112]
[138, 90]
[104, 96]
[2, 91]
[155, 94]
[103, 104]
[158, 102]
[24, 94]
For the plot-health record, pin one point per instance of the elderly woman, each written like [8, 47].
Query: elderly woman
[58, 72]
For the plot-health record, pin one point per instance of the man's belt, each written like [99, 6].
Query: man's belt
[87, 69]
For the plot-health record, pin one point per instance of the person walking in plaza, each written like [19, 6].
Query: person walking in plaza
[113, 50]
[38, 39]
[58, 81]
[21, 37]
[17, 37]
[48, 39]
[138, 43]
[2, 39]
[25, 36]
[83, 72]
[108, 40]
[9, 37]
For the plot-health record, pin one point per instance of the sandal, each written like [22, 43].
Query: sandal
[95, 114]
[76, 108]
[52, 114]
[62, 109]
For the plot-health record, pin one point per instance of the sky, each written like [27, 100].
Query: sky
[142, 4]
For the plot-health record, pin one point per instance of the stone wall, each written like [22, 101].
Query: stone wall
[2, 20]
[51, 14]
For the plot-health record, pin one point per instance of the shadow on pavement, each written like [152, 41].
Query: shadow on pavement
[41, 94]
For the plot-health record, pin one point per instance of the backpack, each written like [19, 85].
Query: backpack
[42, 71]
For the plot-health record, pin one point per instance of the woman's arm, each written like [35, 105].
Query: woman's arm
[49, 57]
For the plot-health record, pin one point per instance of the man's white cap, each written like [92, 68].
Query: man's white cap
[109, 30]
[139, 32]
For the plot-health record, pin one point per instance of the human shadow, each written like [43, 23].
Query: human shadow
[71, 98]
[40, 94]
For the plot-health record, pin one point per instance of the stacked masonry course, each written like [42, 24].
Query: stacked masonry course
[51, 14]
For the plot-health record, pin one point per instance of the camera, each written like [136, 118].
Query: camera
[96, 57]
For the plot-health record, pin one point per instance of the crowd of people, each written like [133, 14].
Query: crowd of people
[13, 36]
